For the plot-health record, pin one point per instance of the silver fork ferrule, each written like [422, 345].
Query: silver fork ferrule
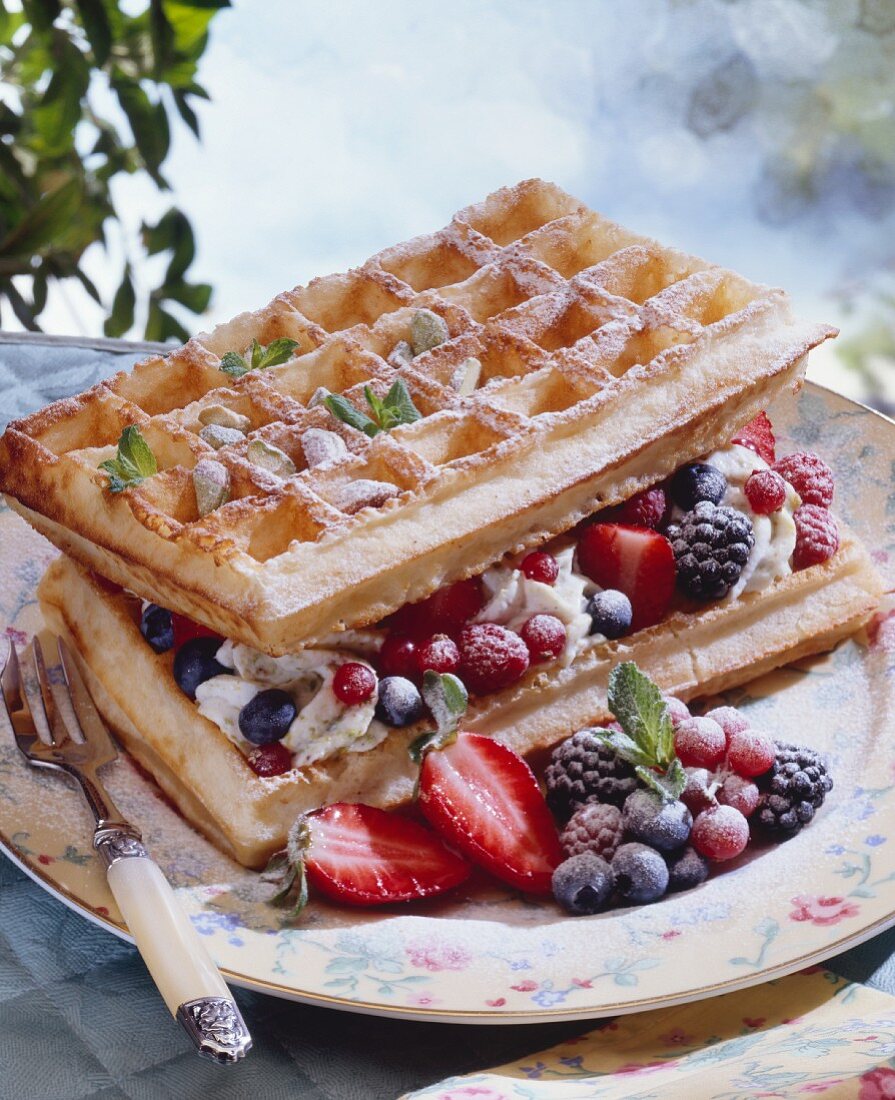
[119, 842]
[216, 1026]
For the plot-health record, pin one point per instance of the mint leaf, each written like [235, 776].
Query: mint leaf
[400, 404]
[234, 365]
[342, 409]
[133, 461]
[277, 351]
[446, 698]
[641, 711]
[622, 745]
[670, 784]
[377, 407]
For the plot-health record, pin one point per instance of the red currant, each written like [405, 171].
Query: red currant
[439, 653]
[750, 753]
[740, 793]
[398, 657]
[185, 629]
[720, 834]
[699, 743]
[545, 636]
[540, 566]
[354, 683]
[270, 759]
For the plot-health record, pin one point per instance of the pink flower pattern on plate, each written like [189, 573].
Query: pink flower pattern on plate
[822, 910]
[439, 958]
[472, 1092]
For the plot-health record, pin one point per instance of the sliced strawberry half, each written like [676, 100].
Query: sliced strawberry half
[758, 436]
[633, 560]
[485, 801]
[359, 855]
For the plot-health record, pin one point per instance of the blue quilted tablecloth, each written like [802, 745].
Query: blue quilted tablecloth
[79, 1016]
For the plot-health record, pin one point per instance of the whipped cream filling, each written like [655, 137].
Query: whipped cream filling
[775, 535]
[323, 725]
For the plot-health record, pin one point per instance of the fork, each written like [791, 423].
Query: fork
[68, 735]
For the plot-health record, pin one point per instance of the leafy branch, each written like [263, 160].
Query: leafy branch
[61, 155]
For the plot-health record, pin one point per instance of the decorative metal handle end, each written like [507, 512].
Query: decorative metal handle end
[114, 842]
[217, 1028]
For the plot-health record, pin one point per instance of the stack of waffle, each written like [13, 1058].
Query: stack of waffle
[606, 363]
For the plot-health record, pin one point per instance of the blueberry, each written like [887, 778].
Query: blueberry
[640, 873]
[399, 702]
[267, 716]
[157, 628]
[649, 818]
[195, 663]
[583, 884]
[610, 613]
[696, 482]
[687, 869]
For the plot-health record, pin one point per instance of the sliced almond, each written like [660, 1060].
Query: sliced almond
[363, 493]
[225, 418]
[217, 436]
[427, 331]
[320, 445]
[466, 377]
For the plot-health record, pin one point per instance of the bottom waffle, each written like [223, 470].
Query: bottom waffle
[247, 816]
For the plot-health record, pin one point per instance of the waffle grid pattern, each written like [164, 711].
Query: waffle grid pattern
[553, 300]
[561, 306]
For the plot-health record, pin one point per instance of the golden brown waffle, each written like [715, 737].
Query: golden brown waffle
[607, 362]
[210, 781]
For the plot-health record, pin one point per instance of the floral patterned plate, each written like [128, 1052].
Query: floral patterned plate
[488, 956]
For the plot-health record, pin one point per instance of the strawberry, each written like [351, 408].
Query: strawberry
[633, 560]
[185, 629]
[485, 801]
[758, 436]
[444, 612]
[363, 856]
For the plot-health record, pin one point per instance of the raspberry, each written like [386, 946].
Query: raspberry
[595, 827]
[809, 475]
[540, 566]
[750, 753]
[729, 719]
[646, 509]
[677, 711]
[354, 683]
[699, 743]
[740, 793]
[720, 834]
[439, 653]
[758, 436]
[271, 759]
[398, 657]
[491, 657]
[696, 795]
[817, 536]
[545, 636]
[766, 492]
[185, 629]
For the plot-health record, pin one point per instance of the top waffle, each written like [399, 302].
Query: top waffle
[607, 362]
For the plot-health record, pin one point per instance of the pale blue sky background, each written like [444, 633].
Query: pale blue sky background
[336, 129]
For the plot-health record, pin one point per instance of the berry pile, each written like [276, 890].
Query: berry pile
[627, 843]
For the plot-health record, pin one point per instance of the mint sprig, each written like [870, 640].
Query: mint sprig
[273, 355]
[446, 698]
[646, 739]
[395, 408]
[133, 461]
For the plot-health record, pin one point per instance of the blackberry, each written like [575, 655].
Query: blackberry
[596, 827]
[582, 769]
[711, 545]
[792, 791]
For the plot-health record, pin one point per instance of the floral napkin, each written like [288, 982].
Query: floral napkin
[809, 1034]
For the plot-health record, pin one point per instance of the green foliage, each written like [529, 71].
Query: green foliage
[395, 408]
[62, 144]
[133, 461]
[277, 352]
